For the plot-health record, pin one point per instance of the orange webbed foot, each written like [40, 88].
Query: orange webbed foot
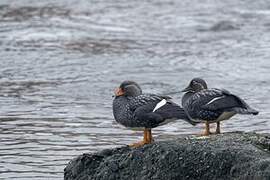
[138, 144]
[206, 134]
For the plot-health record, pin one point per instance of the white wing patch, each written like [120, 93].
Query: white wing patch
[160, 104]
[217, 98]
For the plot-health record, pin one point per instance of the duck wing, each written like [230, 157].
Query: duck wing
[151, 110]
[225, 101]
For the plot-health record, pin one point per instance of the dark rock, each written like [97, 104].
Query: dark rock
[238, 156]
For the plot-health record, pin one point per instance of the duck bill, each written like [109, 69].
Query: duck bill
[118, 92]
[187, 89]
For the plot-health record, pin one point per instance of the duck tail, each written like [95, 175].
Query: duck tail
[252, 111]
[247, 111]
[174, 111]
[181, 114]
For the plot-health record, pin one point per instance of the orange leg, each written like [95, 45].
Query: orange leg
[207, 129]
[218, 128]
[149, 136]
[147, 139]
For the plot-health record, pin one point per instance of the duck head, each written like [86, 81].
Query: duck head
[128, 88]
[195, 85]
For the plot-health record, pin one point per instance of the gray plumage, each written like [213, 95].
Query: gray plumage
[202, 104]
[135, 110]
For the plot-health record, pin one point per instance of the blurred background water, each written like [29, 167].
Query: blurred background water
[61, 60]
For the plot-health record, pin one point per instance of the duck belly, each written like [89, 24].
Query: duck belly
[160, 124]
[167, 121]
[225, 116]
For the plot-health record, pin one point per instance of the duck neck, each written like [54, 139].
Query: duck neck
[186, 96]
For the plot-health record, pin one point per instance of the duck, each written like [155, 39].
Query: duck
[212, 105]
[143, 112]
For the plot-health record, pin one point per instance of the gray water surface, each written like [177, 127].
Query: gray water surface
[61, 60]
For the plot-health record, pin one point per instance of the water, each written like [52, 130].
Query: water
[61, 60]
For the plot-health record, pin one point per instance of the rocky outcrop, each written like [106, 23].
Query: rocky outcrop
[243, 156]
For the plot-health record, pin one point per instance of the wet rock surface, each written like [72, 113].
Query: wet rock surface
[227, 156]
